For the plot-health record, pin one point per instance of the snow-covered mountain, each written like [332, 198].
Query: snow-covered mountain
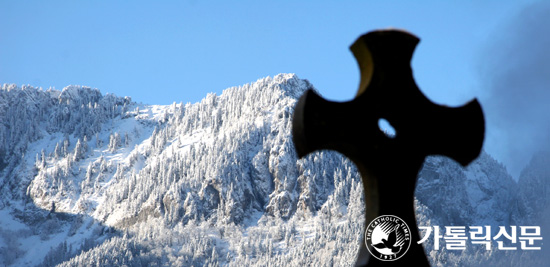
[87, 178]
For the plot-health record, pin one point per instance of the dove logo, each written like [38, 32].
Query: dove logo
[388, 238]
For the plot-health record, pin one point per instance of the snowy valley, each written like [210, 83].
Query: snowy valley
[93, 179]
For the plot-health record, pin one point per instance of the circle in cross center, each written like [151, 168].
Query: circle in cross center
[387, 238]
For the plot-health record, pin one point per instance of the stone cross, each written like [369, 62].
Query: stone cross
[388, 164]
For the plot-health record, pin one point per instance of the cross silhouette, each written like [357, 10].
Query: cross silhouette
[388, 164]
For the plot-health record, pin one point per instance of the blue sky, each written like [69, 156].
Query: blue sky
[181, 50]
[178, 51]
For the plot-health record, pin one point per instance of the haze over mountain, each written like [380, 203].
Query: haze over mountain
[92, 179]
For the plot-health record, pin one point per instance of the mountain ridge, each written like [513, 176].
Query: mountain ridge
[114, 173]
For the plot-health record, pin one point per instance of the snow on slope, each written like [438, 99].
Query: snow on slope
[100, 179]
